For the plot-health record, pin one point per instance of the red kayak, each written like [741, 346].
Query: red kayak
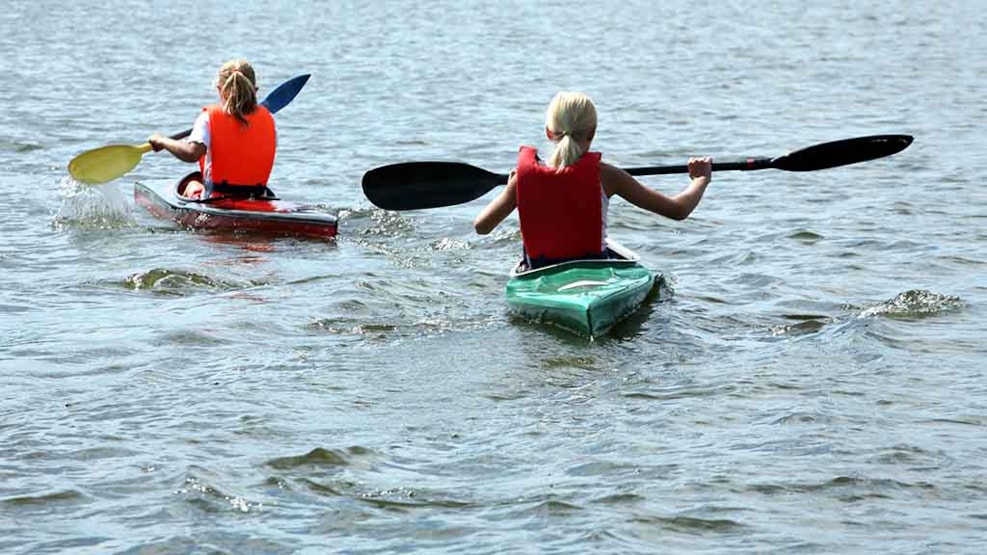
[236, 214]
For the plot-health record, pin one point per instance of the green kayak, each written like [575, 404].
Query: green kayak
[584, 296]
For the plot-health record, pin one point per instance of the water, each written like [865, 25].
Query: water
[812, 380]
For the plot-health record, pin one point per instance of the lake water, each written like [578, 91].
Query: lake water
[811, 379]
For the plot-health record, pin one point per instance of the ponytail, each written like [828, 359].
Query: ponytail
[570, 117]
[238, 89]
[566, 152]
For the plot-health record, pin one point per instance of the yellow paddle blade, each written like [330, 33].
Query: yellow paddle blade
[106, 163]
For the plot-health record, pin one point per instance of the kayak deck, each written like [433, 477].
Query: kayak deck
[587, 297]
[254, 215]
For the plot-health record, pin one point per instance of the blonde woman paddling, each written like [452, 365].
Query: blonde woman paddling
[562, 205]
[234, 141]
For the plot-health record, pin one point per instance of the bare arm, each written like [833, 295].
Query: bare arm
[618, 182]
[499, 208]
[183, 150]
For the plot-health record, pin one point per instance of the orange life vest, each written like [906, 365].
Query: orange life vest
[561, 212]
[241, 155]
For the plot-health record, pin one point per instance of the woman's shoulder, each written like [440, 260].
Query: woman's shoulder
[615, 180]
[609, 169]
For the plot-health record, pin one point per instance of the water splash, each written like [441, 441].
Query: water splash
[446, 244]
[388, 224]
[92, 207]
[914, 304]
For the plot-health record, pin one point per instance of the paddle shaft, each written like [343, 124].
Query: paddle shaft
[182, 135]
[748, 164]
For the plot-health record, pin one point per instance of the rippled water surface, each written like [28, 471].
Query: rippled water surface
[811, 380]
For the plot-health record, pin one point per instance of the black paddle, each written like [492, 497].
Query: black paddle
[418, 185]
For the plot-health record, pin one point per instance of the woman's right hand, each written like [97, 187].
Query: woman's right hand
[155, 141]
[701, 167]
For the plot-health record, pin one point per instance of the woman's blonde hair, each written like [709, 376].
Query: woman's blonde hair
[237, 88]
[571, 116]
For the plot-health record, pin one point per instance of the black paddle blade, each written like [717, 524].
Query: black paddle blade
[420, 185]
[841, 153]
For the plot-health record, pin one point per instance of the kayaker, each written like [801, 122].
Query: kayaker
[562, 204]
[234, 141]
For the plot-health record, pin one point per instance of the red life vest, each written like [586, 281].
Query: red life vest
[242, 155]
[561, 211]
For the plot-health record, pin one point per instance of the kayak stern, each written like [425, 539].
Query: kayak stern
[264, 216]
[587, 297]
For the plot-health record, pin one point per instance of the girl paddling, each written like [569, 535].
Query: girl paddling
[562, 205]
[234, 141]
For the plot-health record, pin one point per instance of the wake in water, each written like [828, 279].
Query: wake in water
[92, 207]
[913, 305]
[179, 282]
